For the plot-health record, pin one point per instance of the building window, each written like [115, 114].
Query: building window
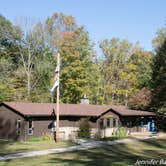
[101, 123]
[18, 127]
[114, 122]
[108, 122]
[30, 127]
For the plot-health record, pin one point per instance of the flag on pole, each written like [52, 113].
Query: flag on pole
[56, 83]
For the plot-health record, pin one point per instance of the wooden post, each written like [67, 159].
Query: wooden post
[57, 102]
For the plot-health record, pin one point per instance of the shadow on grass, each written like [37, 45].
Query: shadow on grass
[154, 142]
[10, 147]
[5, 147]
[115, 155]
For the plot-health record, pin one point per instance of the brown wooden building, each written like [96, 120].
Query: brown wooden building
[20, 121]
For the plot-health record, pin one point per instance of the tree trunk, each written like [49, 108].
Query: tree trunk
[28, 85]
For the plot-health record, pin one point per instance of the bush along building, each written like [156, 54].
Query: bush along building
[22, 121]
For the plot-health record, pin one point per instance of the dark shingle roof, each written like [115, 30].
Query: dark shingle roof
[45, 109]
[125, 111]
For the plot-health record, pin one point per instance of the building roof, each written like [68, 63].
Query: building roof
[45, 109]
[125, 111]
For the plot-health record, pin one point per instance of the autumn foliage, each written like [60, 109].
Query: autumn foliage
[141, 100]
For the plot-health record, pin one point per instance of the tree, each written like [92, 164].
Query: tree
[77, 63]
[159, 79]
[6, 68]
[72, 42]
[122, 69]
[8, 34]
[141, 100]
[159, 38]
[142, 61]
[116, 74]
[34, 61]
[96, 83]
[8, 57]
[31, 61]
[55, 27]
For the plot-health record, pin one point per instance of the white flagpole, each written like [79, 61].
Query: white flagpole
[57, 102]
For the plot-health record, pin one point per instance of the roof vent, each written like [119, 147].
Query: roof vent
[85, 100]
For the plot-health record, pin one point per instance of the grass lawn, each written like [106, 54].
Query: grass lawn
[7, 147]
[116, 155]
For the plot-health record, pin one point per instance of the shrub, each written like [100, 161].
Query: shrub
[84, 129]
[121, 132]
[47, 138]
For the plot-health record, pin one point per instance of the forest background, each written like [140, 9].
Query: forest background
[123, 73]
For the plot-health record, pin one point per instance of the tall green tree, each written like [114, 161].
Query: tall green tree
[73, 43]
[27, 63]
[36, 64]
[76, 54]
[159, 79]
[122, 69]
[8, 57]
[116, 55]
[159, 39]
[96, 82]
[31, 70]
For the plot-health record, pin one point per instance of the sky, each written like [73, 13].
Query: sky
[135, 20]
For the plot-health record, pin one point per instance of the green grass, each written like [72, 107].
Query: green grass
[116, 155]
[7, 147]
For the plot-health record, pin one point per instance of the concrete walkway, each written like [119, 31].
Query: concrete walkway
[83, 146]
